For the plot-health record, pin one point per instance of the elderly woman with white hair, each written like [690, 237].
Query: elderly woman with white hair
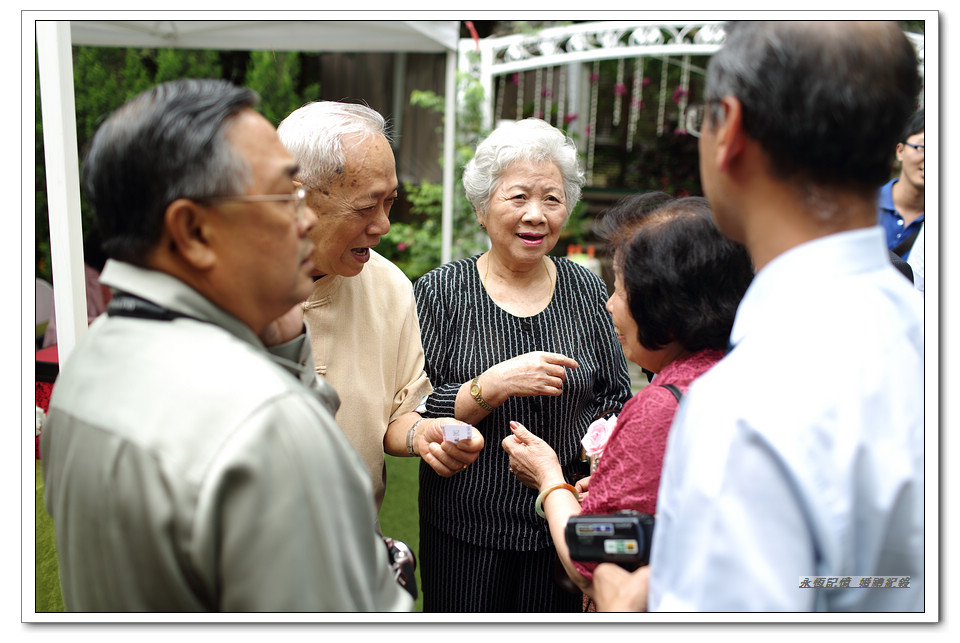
[511, 334]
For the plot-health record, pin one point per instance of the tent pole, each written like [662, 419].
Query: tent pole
[449, 157]
[63, 182]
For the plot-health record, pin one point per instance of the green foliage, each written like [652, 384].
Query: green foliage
[105, 78]
[416, 247]
[273, 75]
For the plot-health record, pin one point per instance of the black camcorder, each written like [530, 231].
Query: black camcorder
[403, 564]
[622, 538]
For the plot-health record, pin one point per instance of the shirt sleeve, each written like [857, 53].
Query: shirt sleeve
[412, 381]
[438, 339]
[288, 505]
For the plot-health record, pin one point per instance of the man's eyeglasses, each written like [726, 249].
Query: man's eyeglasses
[693, 119]
[298, 197]
[919, 148]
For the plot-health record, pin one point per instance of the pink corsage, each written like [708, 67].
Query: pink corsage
[596, 439]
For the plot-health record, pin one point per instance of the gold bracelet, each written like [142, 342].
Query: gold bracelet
[546, 492]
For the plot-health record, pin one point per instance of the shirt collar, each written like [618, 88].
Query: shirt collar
[169, 292]
[807, 267]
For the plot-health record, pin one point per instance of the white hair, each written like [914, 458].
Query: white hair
[314, 134]
[530, 140]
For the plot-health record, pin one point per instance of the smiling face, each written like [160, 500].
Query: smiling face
[353, 209]
[911, 161]
[526, 213]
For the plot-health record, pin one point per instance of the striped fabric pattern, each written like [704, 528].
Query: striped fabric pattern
[464, 333]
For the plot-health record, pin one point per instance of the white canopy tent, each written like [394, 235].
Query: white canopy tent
[55, 38]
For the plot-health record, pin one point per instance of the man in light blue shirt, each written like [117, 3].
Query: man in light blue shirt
[793, 476]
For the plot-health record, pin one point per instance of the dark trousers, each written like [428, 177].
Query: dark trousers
[459, 577]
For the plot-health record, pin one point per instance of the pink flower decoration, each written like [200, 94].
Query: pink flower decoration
[620, 89]
[679, 93]
[646, 81]
[569, 118]
[401, 246]
[515, 79]
[597, 435]
[587, 130]
[594, 77]
[546, 92]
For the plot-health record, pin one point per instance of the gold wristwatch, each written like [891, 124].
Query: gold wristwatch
[475, 392]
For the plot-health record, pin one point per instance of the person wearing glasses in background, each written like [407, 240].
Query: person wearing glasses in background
[361, 312]
[191, 460]
[901, 201]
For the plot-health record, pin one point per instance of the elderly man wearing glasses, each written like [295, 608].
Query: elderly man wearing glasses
[191, 460]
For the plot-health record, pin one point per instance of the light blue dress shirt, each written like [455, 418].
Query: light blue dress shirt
[801, 454]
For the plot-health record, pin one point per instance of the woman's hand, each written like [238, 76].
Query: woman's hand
[531, 459]
[527, 375]
[583, 485]
[445, 457]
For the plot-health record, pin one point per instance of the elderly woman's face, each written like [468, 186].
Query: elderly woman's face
[623, 321]
[626, 327]
[526, 212]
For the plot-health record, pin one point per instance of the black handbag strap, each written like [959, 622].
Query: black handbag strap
[123, 304]
[677, 393]
[904, 246]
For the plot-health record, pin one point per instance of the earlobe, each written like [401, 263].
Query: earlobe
[189, 228]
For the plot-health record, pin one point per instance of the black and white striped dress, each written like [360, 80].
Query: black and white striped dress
[464, 333]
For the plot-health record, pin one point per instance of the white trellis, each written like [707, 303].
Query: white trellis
[569, 49]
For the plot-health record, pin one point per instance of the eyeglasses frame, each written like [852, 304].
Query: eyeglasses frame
[298, 196]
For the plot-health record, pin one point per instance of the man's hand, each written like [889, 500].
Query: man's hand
[445, 457]
[617, 590]
[284, 328]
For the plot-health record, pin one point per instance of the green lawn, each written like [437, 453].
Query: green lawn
[398, 519]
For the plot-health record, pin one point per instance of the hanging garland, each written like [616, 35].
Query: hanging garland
[592, 127]
[661, 110]
[636, 102]
[548, 96]
[684, 93]
[501, 90]
[561, 99]
[520, 76]
[619, 90]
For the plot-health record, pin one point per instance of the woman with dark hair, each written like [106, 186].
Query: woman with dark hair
[678, 284]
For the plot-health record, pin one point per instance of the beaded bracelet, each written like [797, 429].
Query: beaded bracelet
[546, 492]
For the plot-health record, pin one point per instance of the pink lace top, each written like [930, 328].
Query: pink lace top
[628, 475]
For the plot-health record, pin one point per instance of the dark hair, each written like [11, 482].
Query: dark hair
[683, 279]
[619, 220]
[166, 143]
[826, 101]
[914, 126]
